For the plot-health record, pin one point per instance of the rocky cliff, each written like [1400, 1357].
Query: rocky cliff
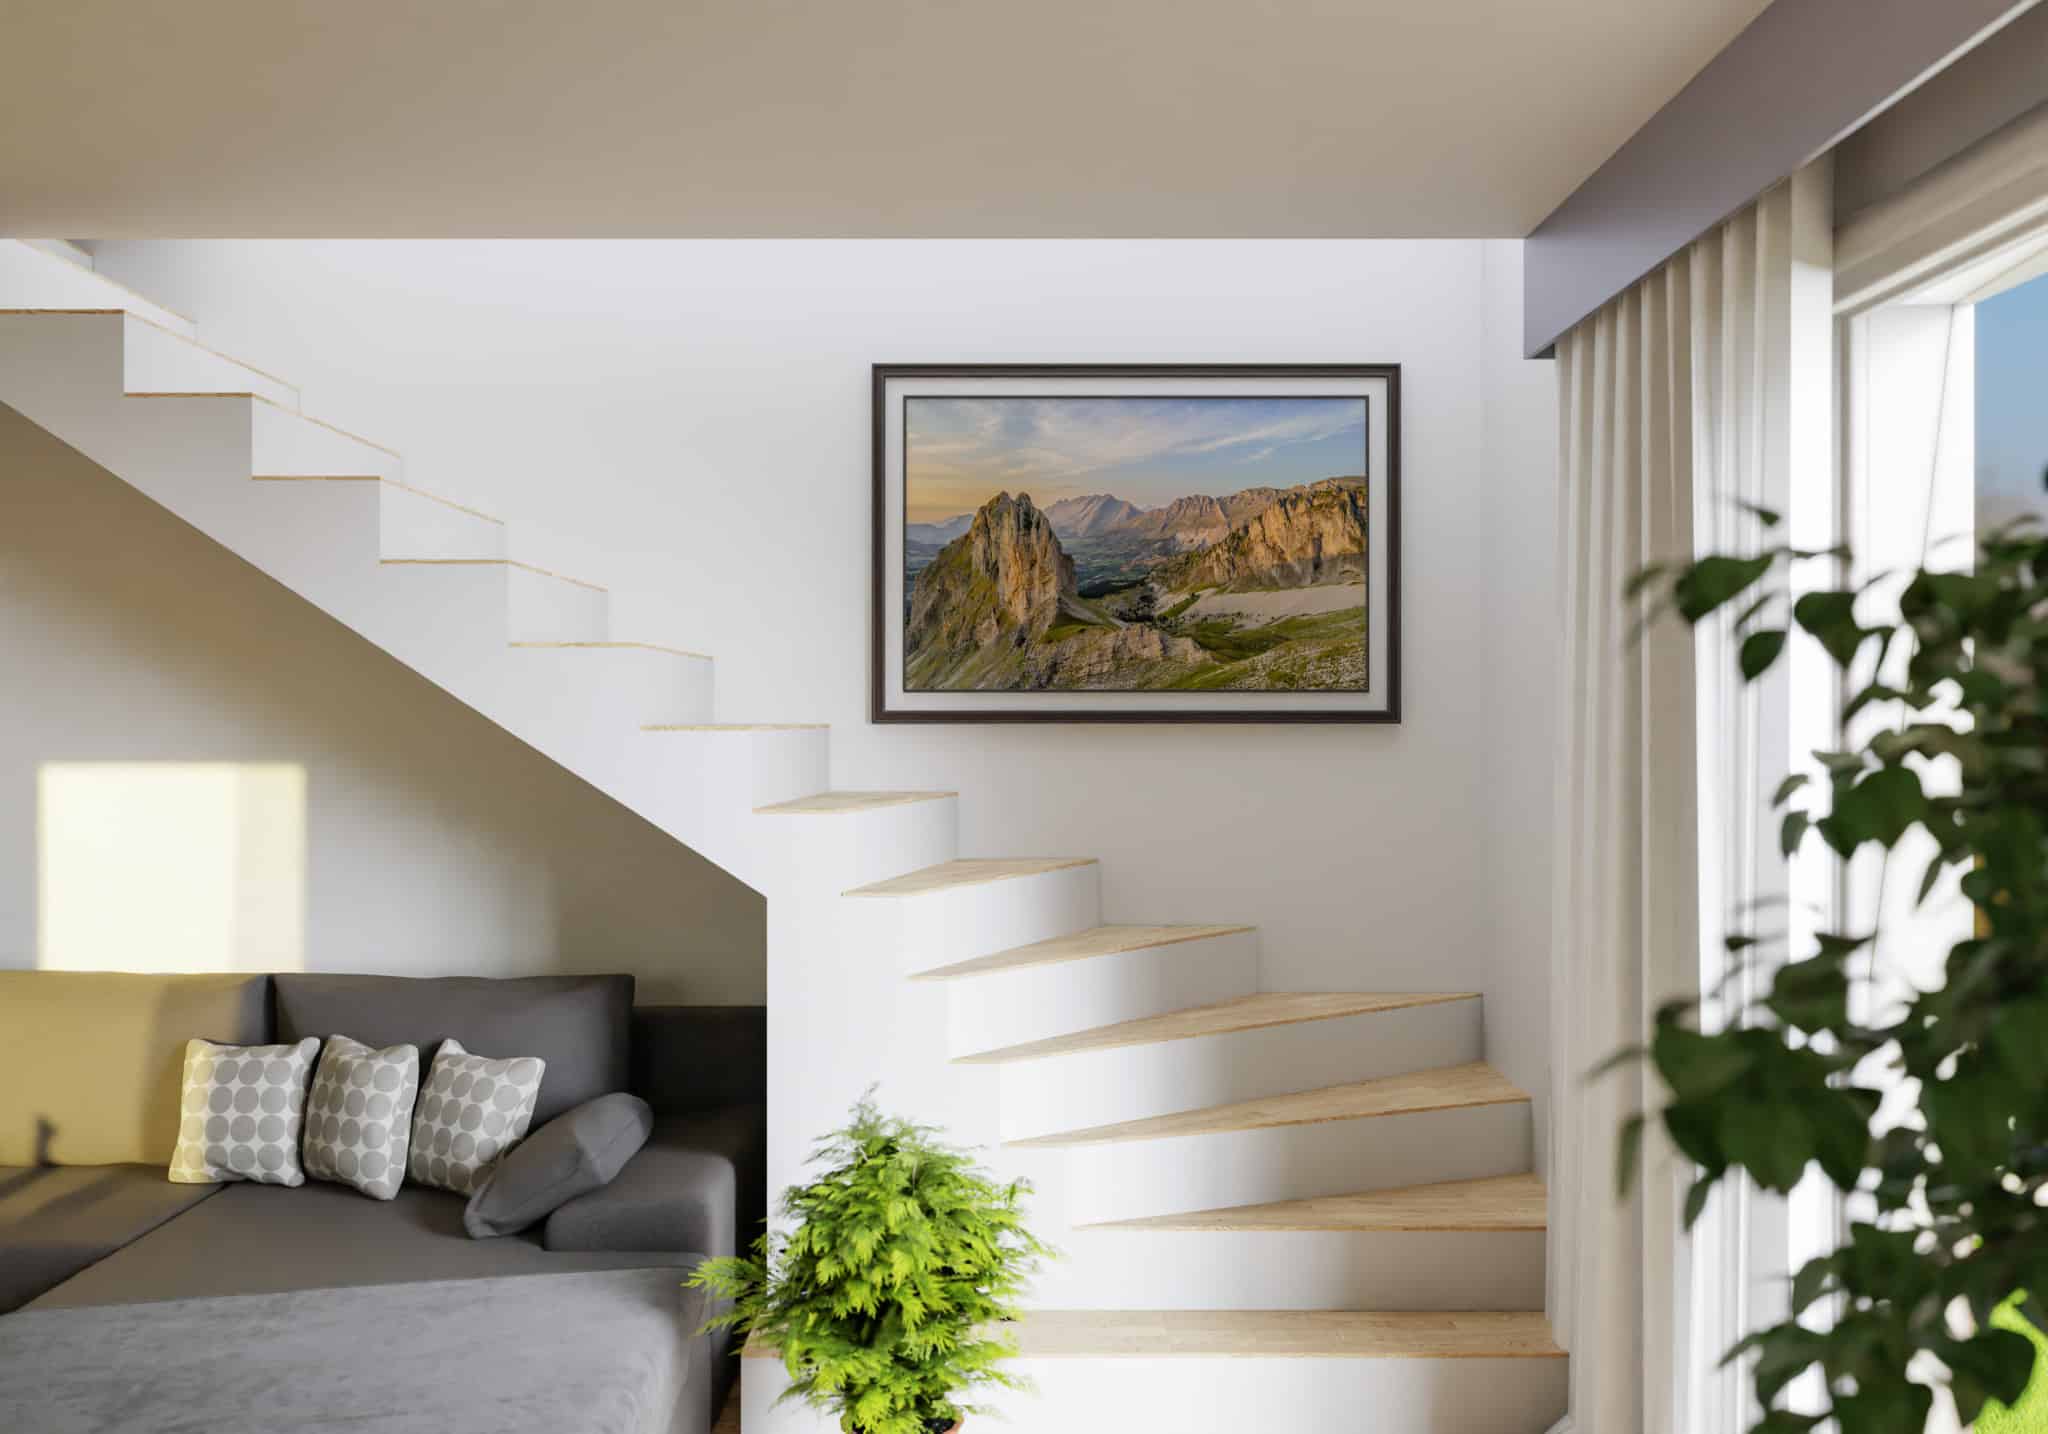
[1306, 535]
[1004, 577]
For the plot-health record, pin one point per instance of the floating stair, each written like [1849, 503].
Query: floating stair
[1457, 1122]
[1096, 941]
[1502, 1202]
[956, 875]
[1245, 1048]
[1462, 1087]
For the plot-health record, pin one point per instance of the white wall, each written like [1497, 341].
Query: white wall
[690, 420]
[286, 796]
[1521, 530]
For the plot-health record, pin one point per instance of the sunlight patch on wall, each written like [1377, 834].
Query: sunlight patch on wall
[171, 866]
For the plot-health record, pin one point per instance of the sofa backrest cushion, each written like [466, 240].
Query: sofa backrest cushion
[695, 1058]
[90, 1061]
[579, 1025]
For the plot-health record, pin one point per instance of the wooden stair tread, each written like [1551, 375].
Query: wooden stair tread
[735, 727]
[838, 803]
[402, 487]
[110, 282]
[608, 646]
[266, 399]
[1096, 941]
[491, 563]
[1443, 1088]
[1243, 1013]
[330, 427]
[1275, 1334]
[1498, 1202]
[970, 871]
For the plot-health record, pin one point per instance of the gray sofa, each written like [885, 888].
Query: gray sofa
[131, 1303]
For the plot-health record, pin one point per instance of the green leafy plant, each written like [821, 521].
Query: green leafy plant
[887, 1299]
[1949, 1228]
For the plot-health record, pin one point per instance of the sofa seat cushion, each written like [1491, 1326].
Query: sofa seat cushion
[683, 1190]
[90, 1061]
[56, 1220]
[265, 1239]
[579, 1025]
[595, 1353]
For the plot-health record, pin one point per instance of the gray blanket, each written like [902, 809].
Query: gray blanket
[593, 1353]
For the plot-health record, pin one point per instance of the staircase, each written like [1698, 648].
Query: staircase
[1277, 1209]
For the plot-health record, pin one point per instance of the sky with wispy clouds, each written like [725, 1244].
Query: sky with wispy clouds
[960, 452]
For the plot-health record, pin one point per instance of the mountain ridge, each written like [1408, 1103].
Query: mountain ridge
[1000, 608]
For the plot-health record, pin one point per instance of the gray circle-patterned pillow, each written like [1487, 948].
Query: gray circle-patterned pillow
[472, 1110]
[359, 1116]
[239, 1113]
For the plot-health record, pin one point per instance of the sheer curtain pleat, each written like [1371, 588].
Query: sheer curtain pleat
[1624, 926]
[1674, 402]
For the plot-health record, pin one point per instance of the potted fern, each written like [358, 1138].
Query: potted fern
[887, 1298]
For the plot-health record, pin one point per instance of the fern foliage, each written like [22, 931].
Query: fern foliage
[887, 1297]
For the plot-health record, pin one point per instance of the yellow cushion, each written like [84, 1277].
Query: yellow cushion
[90, 1060]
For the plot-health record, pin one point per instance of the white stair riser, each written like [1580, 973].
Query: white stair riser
[958, 924]
[1296, 1270]
[31, 278]
[156, 360]
[845, 1028]
[1073, 1092]
[613, 690]
[1232, 1394]
[287, 445]
[414, 525]
[701, 778]
[546, 608]
[1059, 998]
[830, 853]
[1130, 1179]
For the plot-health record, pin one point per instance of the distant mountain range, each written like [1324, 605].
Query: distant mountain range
[1085, 517]
[938, 534]
[1194, 521]
[999, 606]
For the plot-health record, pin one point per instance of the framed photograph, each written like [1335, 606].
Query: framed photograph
[1137, 543]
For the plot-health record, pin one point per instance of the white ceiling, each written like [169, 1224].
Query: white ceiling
[1152, 118]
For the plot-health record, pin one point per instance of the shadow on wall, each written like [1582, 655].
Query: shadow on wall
[200, 771]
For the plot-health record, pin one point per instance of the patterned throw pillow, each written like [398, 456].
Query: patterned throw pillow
[241, 1107]
[471, 1112]
[359, 1116]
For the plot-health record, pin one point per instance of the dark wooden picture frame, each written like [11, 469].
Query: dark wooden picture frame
[887, 601]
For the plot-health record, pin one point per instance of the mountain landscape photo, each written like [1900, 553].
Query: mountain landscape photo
[1174, 544]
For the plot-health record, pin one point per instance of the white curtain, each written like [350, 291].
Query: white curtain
[1624, 927]
[1684, 394]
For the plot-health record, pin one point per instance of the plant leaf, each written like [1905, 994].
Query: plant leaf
[1704, 586]
[1759, 650]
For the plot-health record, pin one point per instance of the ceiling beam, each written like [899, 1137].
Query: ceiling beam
[1803, 75]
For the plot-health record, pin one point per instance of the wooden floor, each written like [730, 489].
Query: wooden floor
[729, 1417]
